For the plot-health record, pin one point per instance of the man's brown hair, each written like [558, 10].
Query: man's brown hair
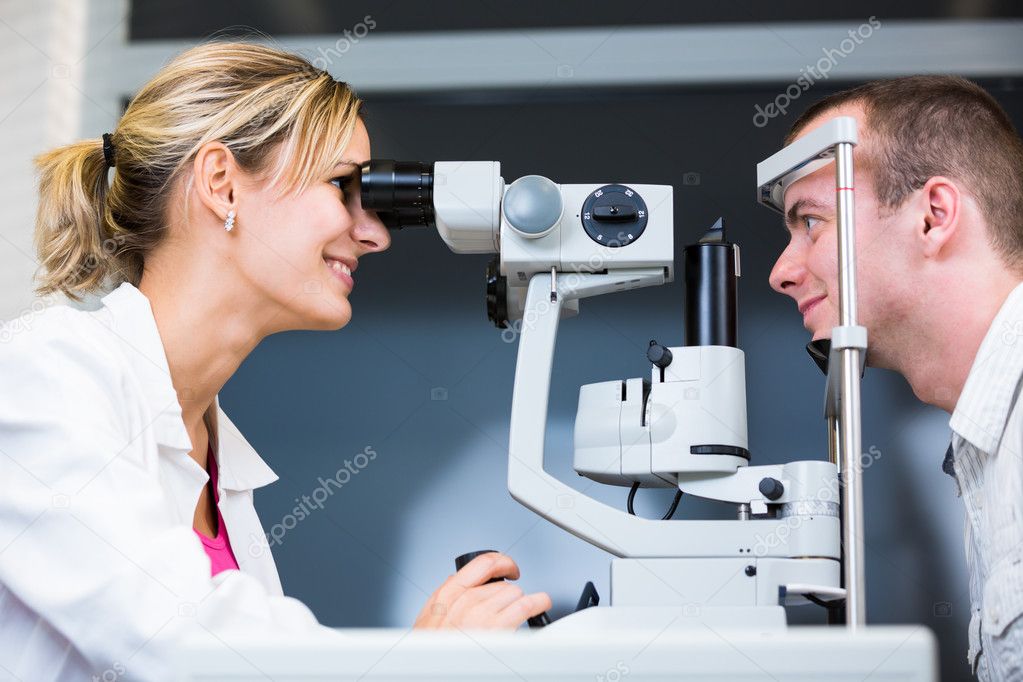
[922, 126]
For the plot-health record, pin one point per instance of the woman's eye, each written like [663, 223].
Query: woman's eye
[809, 225]
[343, 183]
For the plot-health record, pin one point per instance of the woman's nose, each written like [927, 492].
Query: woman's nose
[371, 232]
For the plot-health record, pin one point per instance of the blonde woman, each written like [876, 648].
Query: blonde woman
[223, 207]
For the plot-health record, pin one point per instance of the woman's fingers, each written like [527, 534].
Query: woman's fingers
[477, 572]
[485, 593]
[522, 609]
[485, 567]
[499, 599]
[478, 607]
[468, 600]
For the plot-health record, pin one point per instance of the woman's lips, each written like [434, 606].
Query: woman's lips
[347, 279]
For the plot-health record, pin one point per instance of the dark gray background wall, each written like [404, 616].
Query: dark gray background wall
[387, 538]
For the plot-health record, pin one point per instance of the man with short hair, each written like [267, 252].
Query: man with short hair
[939, 241]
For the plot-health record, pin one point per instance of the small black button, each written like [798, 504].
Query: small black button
[658, 354]
[771, 488]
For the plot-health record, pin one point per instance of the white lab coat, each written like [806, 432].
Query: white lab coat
[100, 570]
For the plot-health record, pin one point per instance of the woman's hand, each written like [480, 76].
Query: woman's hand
[466, 601]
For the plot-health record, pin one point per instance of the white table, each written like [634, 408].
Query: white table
[811, 653]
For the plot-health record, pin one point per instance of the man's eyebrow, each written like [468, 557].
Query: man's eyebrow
[792, 215]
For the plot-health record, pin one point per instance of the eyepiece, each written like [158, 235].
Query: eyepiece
[401, 192]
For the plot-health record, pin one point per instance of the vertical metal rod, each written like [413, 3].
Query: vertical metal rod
[849, 430]
[834, 438]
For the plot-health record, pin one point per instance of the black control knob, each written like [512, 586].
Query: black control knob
[614, 216]
[658, 354]
[497, 294]
[771, 488]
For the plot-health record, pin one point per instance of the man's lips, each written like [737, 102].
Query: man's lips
[808, 305]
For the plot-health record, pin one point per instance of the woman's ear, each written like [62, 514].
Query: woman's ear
[941, 204]
[216, 177]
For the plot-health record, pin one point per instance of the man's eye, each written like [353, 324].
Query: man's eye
[809, 225]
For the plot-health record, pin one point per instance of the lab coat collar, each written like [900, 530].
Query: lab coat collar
[127, 312]
[983, 407]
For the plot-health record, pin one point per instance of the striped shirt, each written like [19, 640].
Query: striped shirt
[986, 460]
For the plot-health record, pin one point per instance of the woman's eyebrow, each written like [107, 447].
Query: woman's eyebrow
[347, 162]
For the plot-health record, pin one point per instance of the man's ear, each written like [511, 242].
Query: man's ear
[216, 177]
[941, 205]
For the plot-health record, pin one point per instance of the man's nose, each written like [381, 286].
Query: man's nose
[788, 272]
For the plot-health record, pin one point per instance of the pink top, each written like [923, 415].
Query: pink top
[218, 549]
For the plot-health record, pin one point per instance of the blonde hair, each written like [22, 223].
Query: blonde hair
[256, 100]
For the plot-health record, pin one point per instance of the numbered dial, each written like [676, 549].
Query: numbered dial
[614, 216]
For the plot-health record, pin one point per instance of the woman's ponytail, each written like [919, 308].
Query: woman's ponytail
[71, 235]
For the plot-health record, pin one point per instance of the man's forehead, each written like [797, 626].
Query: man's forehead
[854, 109]
[817, 190]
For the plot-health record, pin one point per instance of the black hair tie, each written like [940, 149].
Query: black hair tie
[108, 149]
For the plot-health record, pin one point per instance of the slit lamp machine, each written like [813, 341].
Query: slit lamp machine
[683, 426]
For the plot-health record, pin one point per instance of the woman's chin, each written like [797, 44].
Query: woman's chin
[331, 319]
[340, 321]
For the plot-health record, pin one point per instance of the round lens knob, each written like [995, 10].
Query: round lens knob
[532, 206]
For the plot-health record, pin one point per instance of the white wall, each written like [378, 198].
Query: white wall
[43, 46]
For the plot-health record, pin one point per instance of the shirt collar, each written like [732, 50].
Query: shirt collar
[127, 312]
[983, 406]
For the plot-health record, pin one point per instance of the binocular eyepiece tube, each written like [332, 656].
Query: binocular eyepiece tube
[401, 192]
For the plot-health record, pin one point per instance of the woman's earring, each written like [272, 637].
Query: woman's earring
[229, 223]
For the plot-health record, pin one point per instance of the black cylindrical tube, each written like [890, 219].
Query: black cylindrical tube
[712, 292]
[401, 192]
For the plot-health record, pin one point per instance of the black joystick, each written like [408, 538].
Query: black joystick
[460, 562]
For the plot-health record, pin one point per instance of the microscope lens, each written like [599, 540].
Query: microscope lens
[401, 192]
